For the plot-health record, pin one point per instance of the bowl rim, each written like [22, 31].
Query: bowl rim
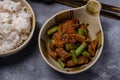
[63, 71]
[19, 48]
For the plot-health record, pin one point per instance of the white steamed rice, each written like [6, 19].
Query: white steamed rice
[15, 25]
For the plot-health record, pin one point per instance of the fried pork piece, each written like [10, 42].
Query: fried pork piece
[93, 47]
[63, 54]
[69, 26]
[52, 47]
[70, 38]
[76, 37]
[82, 60]
[53, 55]
[59, 44]
[70, 63]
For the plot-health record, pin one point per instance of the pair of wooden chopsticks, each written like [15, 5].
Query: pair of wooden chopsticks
[107, 10]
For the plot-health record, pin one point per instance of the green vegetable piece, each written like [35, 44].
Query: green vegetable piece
[80, 49]
[70, 46]
[52, 41]
[81, 32]
[74, 57]
[52, 30]
[93, 7]
[86, 54]
[61, 63]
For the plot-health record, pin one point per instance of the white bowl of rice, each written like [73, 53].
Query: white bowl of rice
[17, 24]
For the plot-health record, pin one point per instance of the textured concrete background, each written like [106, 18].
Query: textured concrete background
[29, 65]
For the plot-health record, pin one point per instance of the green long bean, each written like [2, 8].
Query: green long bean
[86, 54]
[70, 46]
[52, 41]
[61, 63]
[74, 57]
[80, 49]
[52, 30]
[81, 32]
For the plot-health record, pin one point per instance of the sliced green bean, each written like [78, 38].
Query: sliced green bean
[81, 32]
[74, 57]
[92, 7]
[52, 41]
[61, 63]
[52, 30]
[80, 49]
[70, 46]
[86, 54]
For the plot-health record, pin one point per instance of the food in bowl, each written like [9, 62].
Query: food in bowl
[70, 44]
[15, 25]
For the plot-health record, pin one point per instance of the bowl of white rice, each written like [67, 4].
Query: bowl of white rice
[17, 25]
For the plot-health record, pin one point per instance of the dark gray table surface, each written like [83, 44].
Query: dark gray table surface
[29, 65]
